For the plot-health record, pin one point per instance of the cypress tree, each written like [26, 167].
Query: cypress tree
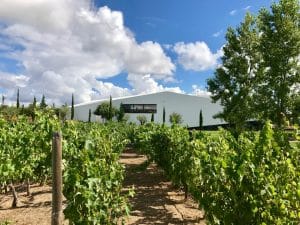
[43, 103]
[110, 109]
[152, 117]
[34, 102]
[164, 115]
[200, 120]
[121, 113]
[72, 107]
[90, 115]
[3, 98]
[18, 98]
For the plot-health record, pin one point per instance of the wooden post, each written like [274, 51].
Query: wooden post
[56, 218]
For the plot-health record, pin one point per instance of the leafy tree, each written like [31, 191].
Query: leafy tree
[43, 104]
[142, 119]
[3, 99]
[63, 111]
[164, 115]
[72, 107]
[200, 120]
[120, 113]
[175, 118]
[34, 102]
[90, 115]
[152, 117]
[105, 110]
[18, 98]
[280, 49]
[296, 110]
[235, 80]
[110, 109]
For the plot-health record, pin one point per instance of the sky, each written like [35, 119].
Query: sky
[99, 48]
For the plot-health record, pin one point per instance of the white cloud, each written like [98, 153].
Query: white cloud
[247, 7]
[196, 56]
[233, 12]
[217, 34]
[199, 91]
[65, 47]
[146, 84]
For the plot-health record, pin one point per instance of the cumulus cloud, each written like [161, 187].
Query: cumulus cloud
[217, 34]
[146, 84]
[196, 56]
[233, 12]
[66, 46]
[199, 91]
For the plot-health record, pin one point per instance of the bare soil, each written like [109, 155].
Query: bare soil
[156, 201]
[34, 210]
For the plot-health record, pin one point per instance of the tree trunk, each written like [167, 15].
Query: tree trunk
[185, 192]
[28, 187]
[43, 181]
[15, 196]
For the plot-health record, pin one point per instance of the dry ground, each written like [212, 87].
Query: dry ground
[156, 201]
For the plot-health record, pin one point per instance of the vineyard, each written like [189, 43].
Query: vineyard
[252, 179]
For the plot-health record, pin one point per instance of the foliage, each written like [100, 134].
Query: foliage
[105, 110]
[90, 115]
[200, 119]
[260, 67]
[43, 104]
[121, 113]
[92, 174]
[175, 118]
[72, 107]
[152, 117]
[18, 98]
[164, 115]
[234, 81]
[142, 119]
[280, 49]
[252, 179]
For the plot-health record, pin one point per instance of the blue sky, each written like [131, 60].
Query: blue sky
[112, 47]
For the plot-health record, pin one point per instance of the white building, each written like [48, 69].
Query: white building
[188, 106]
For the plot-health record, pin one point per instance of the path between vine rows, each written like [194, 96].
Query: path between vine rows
[156, 201]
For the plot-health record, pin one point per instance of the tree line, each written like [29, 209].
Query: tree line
[259, 77]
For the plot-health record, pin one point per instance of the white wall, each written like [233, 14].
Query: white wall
[187, 105]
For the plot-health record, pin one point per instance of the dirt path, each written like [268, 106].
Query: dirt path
[155, 200]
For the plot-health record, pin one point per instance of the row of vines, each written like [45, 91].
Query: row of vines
[92, 175]
[249, 180]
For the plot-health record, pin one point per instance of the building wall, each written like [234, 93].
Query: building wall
[187, 105]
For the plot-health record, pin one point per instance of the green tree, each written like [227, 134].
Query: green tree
[18, 98]
[43, 104]
[296, 110]
[235, 80]
[280, 49]
[110, 115]
[34, 102]
[3, 99]
[152, 117]
[105, 110]
[142, 119]
[120, 113]
[175, 118]
[164, 115]
[90, 115]
[72, 107]
[200, 120]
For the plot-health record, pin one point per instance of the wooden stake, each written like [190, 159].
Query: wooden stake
[56, 179]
